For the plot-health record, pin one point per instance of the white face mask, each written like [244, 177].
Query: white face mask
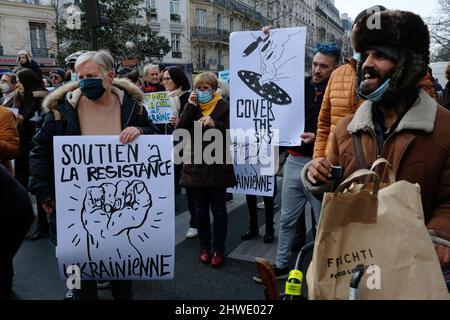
[4, 87]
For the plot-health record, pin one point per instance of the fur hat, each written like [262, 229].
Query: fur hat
[368, 11]
[403, 33]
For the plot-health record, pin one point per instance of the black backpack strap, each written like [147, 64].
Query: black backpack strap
[357, 147]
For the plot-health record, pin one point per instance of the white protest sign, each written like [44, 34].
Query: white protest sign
[267, 81]
[14, 110]
[224, 75]
[248, 170]
[115, 207]
[158, 107]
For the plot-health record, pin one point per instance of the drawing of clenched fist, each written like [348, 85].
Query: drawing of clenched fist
[110, 212]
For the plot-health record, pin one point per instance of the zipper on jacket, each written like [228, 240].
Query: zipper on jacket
[129, 118]
[401, 155]
[379, 154]
[386, 141]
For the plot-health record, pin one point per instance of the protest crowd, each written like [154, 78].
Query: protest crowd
[378, 103]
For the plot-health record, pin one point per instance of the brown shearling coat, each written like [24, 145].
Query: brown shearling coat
[418, 151]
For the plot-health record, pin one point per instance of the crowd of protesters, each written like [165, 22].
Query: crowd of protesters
[386, 87]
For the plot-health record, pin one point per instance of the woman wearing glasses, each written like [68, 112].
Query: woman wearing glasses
[178, 86]
[208, 179]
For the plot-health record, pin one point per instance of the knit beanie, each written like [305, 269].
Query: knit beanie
[60, 72]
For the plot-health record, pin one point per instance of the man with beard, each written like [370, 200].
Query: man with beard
[294, 195]
[151, 79]
[399, 121]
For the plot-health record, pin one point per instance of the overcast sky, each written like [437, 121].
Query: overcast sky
[425, 8]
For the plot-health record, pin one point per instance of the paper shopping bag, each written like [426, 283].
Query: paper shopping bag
[384, 229]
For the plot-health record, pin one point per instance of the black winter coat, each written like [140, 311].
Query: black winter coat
[16, 215]
[133, 114]
[313, 104]
[216, 175]
[27, 128]
[33, 65]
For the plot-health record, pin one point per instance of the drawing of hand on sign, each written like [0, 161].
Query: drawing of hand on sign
[110, 212]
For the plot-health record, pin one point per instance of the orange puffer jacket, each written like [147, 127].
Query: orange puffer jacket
[339, 101]
[9, 138]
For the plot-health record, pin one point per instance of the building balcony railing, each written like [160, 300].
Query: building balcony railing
[39, 52]
[212, 34]
[177, 55]
[175, 17]
[203, 67]
[240, 7]
[151, 14]
[329, 19]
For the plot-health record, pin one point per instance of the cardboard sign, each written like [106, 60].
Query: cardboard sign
[158, 107]
[115, 207]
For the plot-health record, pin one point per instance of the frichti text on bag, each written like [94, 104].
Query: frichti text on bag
[380, 226]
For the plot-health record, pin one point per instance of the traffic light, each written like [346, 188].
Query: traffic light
[93, 9]
[94, 19]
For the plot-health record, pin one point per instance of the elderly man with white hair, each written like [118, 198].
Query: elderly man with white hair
[76, 109]
[151, 79]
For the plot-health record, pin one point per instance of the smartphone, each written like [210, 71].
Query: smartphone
[336, 172]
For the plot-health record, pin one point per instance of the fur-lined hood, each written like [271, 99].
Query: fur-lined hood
[40, 94]
[73, 93]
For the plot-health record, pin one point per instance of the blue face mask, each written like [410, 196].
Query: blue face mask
[92, 88]
[377, 95]
[73, 76]
[204, 96]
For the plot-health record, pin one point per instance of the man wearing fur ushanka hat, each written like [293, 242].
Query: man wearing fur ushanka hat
[404, 40]
[399, 121]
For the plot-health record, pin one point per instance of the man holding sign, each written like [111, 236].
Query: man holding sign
[294, 195]
[96, 105]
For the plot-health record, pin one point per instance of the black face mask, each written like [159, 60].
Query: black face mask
[92, 88]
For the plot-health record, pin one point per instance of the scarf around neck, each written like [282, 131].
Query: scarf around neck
[208, 108]
[174, 98]
[319, 88]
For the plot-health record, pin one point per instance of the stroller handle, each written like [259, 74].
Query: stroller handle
[303, 251]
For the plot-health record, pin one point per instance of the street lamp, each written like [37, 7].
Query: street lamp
[127, 58]
[129, 45]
